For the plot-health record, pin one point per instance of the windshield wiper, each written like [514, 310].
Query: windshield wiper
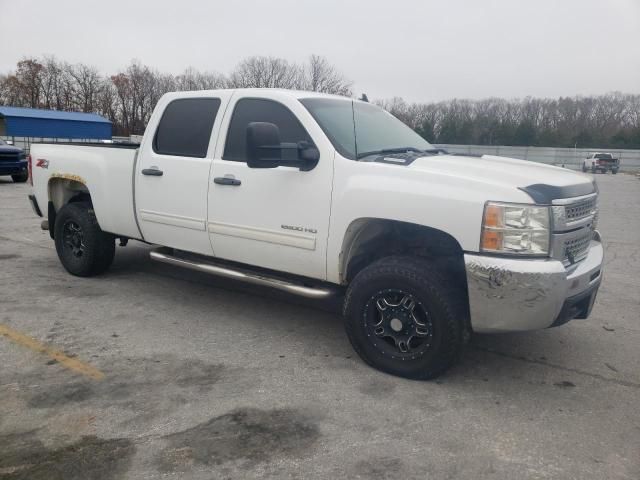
[389, 150]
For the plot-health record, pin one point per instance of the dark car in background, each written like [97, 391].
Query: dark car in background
[13, 161]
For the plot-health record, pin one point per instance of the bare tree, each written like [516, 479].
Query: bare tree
[192, 79]
[87, 83]
[52, 80]
[265, 72]
[123, 103]
[10, 91]
[28, 82]
[318, 75]
[108, 103]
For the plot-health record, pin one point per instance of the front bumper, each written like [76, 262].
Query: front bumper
[514, 294]
[13, 168]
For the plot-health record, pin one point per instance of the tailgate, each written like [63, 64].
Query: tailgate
[607, 161]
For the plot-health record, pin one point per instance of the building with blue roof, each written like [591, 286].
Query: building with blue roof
[39, 123]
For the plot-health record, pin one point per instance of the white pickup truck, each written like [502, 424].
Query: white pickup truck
[321, 195]
[600, 162]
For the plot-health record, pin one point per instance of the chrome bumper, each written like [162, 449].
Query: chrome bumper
[513, 294]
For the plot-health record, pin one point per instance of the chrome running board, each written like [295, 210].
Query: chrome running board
[166, 255]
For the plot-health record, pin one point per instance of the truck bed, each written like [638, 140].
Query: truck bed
[105, 169]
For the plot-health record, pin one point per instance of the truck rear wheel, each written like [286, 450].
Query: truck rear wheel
[584, 168]
[614, 171]
[405, 318]
[83, 248]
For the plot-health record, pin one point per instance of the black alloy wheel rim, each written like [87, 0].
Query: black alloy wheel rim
[398, 325]
[73, 238]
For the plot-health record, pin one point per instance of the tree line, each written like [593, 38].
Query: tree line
[128, 97]
[604, 121]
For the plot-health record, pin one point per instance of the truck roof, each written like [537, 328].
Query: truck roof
[298, 94]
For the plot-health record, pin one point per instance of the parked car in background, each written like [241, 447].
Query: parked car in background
[316, 194]
[600, 162]
[13, 161]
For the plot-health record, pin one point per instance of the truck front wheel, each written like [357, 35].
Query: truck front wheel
[405, 318]
[20, 177]
[83, 248]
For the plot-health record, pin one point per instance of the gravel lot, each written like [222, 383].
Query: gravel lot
[205, 379]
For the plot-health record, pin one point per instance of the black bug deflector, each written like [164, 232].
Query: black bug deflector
[544, 194]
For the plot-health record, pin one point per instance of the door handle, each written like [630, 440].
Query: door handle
[154, 172]
[227, 181]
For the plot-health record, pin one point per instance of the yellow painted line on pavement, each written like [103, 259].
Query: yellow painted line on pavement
[65, 360]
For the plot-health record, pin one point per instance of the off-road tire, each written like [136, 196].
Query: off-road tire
[20, 177]
[98, 247]
[445, 303]
[614, 171]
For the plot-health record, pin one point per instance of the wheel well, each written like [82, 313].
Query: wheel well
[370, 239]
[62, 191]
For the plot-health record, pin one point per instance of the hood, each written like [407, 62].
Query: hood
[10, 149]
[543, 183]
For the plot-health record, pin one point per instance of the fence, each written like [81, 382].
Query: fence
[568, 157]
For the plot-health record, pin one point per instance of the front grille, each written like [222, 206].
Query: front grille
[581, 209]
[9, 156]
[577, 248]
[574, 221]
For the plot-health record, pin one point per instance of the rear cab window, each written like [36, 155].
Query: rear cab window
[249, 110]
[185, 127]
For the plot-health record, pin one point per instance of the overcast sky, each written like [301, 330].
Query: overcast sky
[421, 50]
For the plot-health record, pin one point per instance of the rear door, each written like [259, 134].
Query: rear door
[172, 172]
[276, 218]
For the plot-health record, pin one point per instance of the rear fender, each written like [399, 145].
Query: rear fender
[63, 189]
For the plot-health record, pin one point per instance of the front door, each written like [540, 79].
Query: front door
[276, 218]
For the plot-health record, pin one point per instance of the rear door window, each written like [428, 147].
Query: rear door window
[185, 127]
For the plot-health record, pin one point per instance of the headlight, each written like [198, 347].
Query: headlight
[512, 228]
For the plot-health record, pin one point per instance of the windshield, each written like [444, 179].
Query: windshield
[358, 129]
[604, 156]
